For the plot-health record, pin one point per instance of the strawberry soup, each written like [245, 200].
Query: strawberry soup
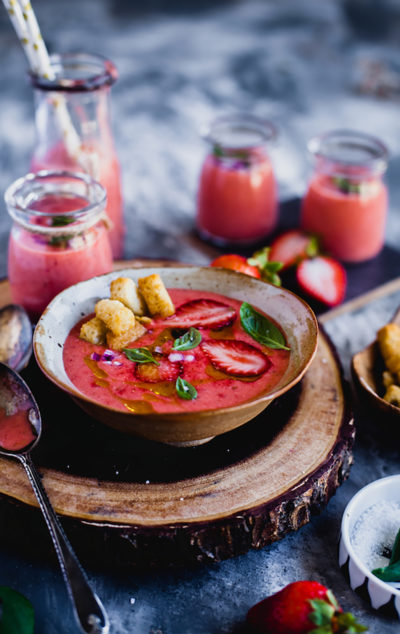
[58, 237]
[221, 366]
[346, 202]
[237, 198]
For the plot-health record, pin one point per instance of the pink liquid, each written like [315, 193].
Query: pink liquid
[109, 177]
[115, 385]
[237, 203]
[38, 270]
[16, 431]
[351, 225]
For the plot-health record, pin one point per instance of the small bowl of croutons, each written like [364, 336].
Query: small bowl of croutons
[376, 370]
[175, 355]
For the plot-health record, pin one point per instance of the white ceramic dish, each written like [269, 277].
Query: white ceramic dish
[381, 595]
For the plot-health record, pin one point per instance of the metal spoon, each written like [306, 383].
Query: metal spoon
[89, 611]
[15, 337]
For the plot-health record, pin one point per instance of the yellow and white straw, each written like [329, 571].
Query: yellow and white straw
[26, 26]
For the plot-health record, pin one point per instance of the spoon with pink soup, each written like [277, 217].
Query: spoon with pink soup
[20, 429]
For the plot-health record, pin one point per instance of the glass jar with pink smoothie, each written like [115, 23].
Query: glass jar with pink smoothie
[73, 127]
[59, 235]
[346, 201]
[237, 198]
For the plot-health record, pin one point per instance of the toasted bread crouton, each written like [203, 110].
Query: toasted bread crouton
[125, 290]
[117, 317]
[156, 295]
[387, 379]
[393, 395]
[94, 331]
[118, 342]
[389, 344]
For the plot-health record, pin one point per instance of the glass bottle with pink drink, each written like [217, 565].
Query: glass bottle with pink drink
[58, 237]
[237, 198]
[346, 201]
[73, 128]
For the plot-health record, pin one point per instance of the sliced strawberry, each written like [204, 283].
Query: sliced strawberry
[152, 373]
[323, 278]
[202, 313]
[292, 247]
[236, 357]
[236, 263]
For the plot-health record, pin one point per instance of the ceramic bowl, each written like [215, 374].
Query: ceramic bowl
[292, 313]
[367, 367]
[381, 595]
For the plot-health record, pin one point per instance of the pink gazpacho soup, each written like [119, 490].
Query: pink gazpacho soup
[225, 367]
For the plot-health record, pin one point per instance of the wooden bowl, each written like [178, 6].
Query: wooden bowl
[366, 368]
[183, 428]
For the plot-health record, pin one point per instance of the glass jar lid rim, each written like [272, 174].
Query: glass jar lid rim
[101, 72]
[371, 150]
[251, 131]
[12, 199]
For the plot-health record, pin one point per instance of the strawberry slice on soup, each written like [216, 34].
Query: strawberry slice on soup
[202, 313]
[236, 357]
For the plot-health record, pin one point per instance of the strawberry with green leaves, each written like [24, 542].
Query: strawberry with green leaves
[302, 607]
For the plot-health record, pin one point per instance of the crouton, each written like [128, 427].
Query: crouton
[117, 317]
[94, 331]
[118, 342]
[125, 290]
[387, 379]
[393, 395]
[389, 344]
[156, 295]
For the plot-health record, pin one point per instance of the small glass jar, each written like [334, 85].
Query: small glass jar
[73, 127]
[346, 201]
[58, 237]
[237, 197]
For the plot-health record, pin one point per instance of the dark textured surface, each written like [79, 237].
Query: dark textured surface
[308, 65]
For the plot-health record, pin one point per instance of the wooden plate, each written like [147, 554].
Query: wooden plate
[129, 501]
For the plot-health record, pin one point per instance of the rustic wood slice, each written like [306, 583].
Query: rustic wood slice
[129, 502]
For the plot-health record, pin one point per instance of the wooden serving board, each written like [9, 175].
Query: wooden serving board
[127, 501]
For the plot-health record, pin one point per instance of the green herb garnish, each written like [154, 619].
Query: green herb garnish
[392, 571]
[389, 573]
[396, 550]
[17, 616]
[347, 186]
[185, 390]
[61, 221]
[140, 355]
[261, 328]
[188, 341]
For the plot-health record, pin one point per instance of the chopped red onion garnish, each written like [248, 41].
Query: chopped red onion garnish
[95, 357]
[189, 357]
[108, 355]
[158, 349]
[117, 363]
[175, 356]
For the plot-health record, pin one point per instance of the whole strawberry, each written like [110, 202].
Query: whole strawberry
[299, 608]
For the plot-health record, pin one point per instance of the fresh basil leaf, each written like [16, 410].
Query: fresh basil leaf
[261, 328]
[139, 355]
[185, 390]
[61, 221]
[17, 616]
[218, 151]
[388, 573]
[396, 550]
[188, 341]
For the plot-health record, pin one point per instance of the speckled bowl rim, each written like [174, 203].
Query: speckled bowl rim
[382, 483]
[263, 397]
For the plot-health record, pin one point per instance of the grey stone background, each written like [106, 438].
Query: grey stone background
[310, 66]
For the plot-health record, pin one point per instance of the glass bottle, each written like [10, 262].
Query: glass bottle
[346, 201]
[73, 127]
[237, 197]
[58, 237]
